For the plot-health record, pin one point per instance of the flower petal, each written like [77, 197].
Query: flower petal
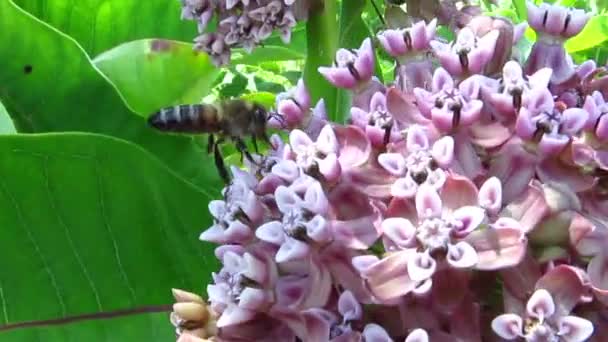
[540, 305]
[271, 232]
[418, 335]
[461, 255]
[315, 199]
[470, 218]
[394, 163]
[575, 329]
[490, 195]
[318, 229]
[428, 202]
[498, 248]
[399, 230]
[404, 187]
[299, 141]
[417, 139]
[375, 333]
[443, 151]
[508, 326]
[292, 249]
[421, 266]
[349, 307]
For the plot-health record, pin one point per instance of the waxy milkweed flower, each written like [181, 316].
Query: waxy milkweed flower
[466, 201]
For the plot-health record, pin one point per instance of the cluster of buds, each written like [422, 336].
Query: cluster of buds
[458, 204]
[241, 23]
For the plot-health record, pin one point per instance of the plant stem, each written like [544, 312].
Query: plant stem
[322, 34]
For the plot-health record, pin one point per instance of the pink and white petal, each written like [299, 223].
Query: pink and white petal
[301, 94]
[400, 231]
[508, 326]
[458, 191]
[424, 287]
[552, 171]
[392, 42]
[394, 163]
[436, 179]
[299, 141]
[448, 59]
[388, 278]
[470, 218]
[349, 307]
[524, 127]
[540, 78]
[598, 276]
[315, 199]
[377, 102]
[540, 305]
[421, 266]
[574, 329]
[359, 117]
[355, 148]
[442, 118]
[428, 202]
[318, 229]
[417, 138]
[404, 187]
[573, 120]
[365, 60]
[470, 87]
[287, 170]
[467, 161]
[490, 195]
[252, 299]
[339, 77]
[461, 255]
[286, 198]
[292, 249]
[443, 151]
[330, 167]
[403, 108]
[442, 79]
[375, 333]
[418, 335]
[565, 286]
[234, 315]
[498, 248]
[271, 232]
[237, 232]
[503, 103]
[327, 141]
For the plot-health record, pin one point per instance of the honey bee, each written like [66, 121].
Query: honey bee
[232, 120]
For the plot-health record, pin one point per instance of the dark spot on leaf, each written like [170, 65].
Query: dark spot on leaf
[160, 45]
[28, 69]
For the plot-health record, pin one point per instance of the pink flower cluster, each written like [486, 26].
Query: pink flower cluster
[241, 23]
[466, 202]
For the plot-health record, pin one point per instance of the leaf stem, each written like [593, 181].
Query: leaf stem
[322, 34]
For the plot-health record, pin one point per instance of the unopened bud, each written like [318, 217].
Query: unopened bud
[195, 312]
[182, 296]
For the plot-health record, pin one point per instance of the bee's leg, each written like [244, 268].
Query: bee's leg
[240, 145]
[210, 143]
[387, 134]
[219, 163]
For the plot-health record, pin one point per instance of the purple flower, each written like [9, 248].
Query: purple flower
[423, 163]
[379, 124]
[301, 225]
[274, 15]
[235, 216]
[199, 10]
[320, 156]
[413, 42]
[543, 122]
[539, 324]
[351, 67]
[375, 333]
[448, 107]
[236, 292]
[597, 123]
[468, 54]
[214, 45]
[240, 30]
[553, 25]
[516, 87]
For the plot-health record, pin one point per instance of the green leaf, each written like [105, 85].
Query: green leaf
[274, 49]
[94, 224]
[154, 73]
[6, 124]
[594, 34]
[99, 25]
[521, 9]
[264, 98]
[48, 84]
[141, 327]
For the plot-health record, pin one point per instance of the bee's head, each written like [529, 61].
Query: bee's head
[260, 115]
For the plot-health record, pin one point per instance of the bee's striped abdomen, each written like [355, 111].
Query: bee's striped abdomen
[195, 118]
